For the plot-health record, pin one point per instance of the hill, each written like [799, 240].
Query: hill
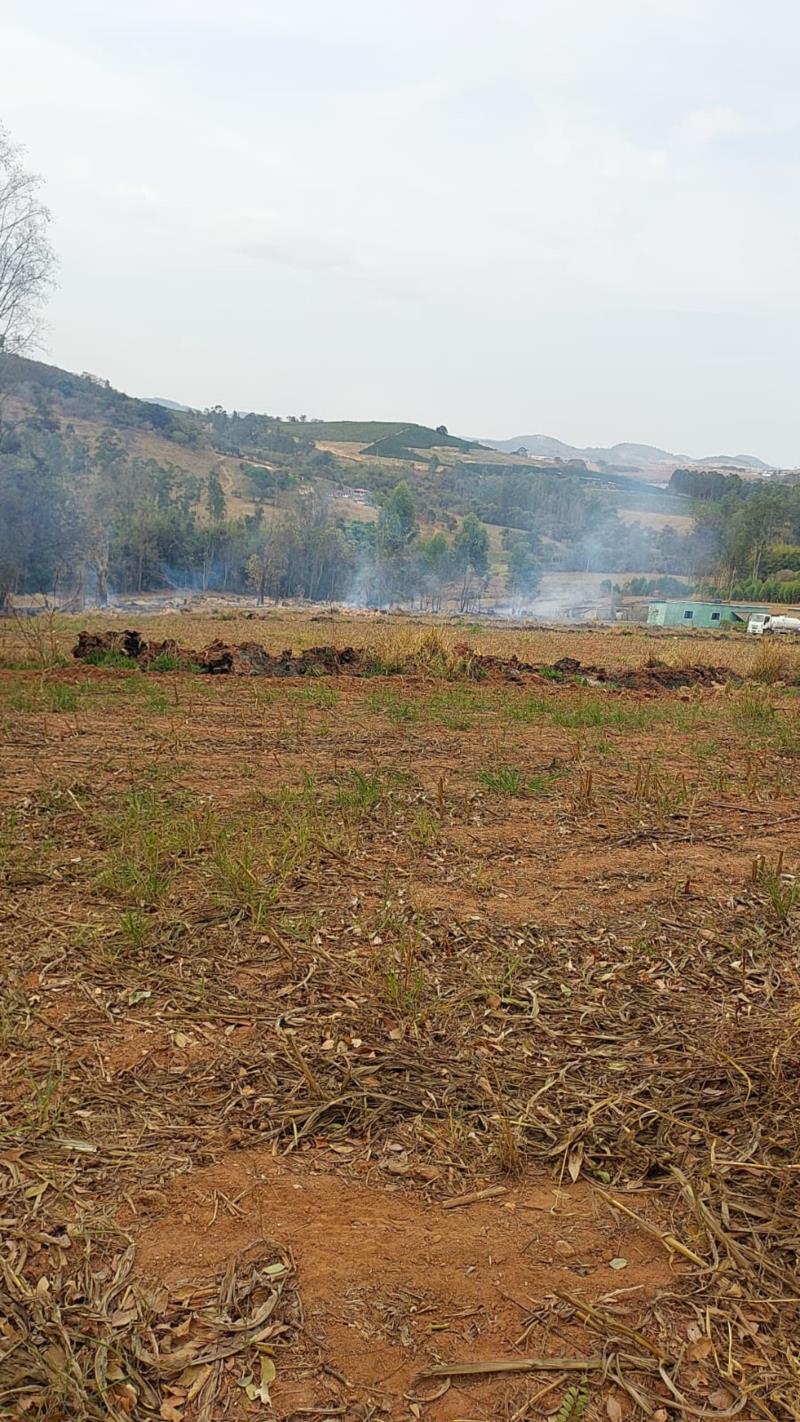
[50, 391]
[637, 457]
[733, 461]
[168, 404]
[103, 493]
[47, 391]
[371, 434]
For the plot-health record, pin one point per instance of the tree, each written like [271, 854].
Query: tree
[433, 570]
[39, 516]
[215, 497]
[268, 565]
[26, 257]
[471, 556]
[397, 520]
[471, 546]
[523, 572]
[441, 429]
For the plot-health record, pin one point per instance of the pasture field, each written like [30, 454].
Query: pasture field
[420, 1044]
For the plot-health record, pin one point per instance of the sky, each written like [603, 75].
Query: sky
[577, 218]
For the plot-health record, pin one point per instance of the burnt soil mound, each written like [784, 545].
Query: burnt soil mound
[252, 659]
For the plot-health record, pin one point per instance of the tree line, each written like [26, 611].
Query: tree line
[753, 526]
[86, 519]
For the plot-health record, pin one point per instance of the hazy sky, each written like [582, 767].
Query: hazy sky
[571, 217]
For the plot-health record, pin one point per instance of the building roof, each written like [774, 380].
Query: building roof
[709, 602]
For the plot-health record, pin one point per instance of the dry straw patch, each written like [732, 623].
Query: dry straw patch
[396, 636]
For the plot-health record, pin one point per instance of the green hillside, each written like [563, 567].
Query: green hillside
[374, 433]
[103, 492]
[49, 390]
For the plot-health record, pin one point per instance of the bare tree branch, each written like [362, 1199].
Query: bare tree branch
[26, 257]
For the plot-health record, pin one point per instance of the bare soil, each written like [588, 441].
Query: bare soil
[293, 964]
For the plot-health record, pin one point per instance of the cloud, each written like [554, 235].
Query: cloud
[452, 177]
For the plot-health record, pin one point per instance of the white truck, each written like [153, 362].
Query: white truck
[762, 622]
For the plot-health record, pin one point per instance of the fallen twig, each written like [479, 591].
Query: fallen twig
[474, 1197]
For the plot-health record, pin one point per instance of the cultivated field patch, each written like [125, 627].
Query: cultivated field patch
[401, 1045]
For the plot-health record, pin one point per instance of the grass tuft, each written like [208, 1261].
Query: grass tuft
[510, 780]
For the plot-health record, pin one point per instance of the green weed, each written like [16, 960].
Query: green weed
[238, 884]
[782, 889]
[58, 697]
[44, 1108]
[454, 708]
[404, 980]
[509, 780]
[382, 664]
[110, 659]
[575, 1402]
[147, 836]
[393, 706]
[425, 827]
[45, 696]
[164, 662]
[155, 697]
[360, 791]
[754, 713]
[133, 927]
[598, 711]
[322, 697]
[142, 879]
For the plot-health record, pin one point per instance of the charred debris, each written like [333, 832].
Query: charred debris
[219, 658]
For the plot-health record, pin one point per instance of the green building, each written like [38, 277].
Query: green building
[701, 614]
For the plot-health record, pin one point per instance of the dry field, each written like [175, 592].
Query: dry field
[291, 966]
[647, 519]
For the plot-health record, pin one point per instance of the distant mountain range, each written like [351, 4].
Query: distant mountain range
[631, 456]
[168, 404]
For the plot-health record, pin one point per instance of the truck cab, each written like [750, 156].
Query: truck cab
[759, 623]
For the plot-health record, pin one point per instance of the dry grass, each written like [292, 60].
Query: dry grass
[398, 637]
[773, 663]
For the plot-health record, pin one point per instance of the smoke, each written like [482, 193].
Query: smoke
[570, 597]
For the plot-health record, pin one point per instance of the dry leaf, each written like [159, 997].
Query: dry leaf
[721, 1399]
[614, 1410]
[696, 1352]
[55, 1359]
[121, 1317]
[170, 1412]
[202, 1372]
[398, 1167]
[428, 1172]
[124, 1396]
[618, 1263]
[259, 1392]
[575, 1162]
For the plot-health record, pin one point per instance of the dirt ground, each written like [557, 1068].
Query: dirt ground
[294, 965]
